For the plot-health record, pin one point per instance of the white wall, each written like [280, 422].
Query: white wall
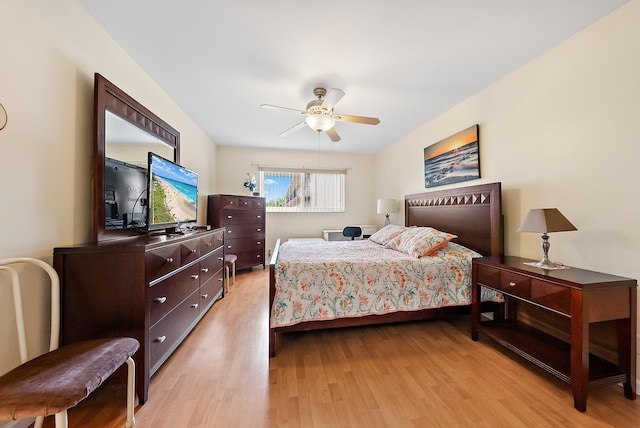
[234, 163]
[50, 52]
[562, 131]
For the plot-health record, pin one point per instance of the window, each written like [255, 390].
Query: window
[302, 190]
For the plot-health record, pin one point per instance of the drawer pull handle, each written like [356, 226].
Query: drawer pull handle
[161, 339]
[512, 284]
[209, 244]
[228, 231]
[195, 276]
[258, 216]
[229, 216]
[229, 247]
[161, 300]
[194, 306]
[195, 250]
[258, 256]
[205, 270]
[205, 296]
[220, 279]
[169, 260]
[258, 230]
[258, 243]
[221, 258]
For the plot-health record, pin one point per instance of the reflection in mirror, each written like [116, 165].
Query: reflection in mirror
[125, 132]
[128, 143]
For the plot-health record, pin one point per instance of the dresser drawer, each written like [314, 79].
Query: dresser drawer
[489, 276]
[244, 231]
[211, 241]
[210, 289]
[168, 331]
[190, 250]
[166, 295]
[249, 258]
[515, 284]
[235, 246]
[162, 261]
[210, 265]
[551, 296]
[229, 217]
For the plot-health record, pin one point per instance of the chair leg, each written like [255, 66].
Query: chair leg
[62, 421]
[226, 279]
[234, 273]
[39, 422]
[131, 392]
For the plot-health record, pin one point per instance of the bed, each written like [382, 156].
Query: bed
[319, 285]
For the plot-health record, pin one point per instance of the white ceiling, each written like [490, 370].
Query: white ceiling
[405, 62]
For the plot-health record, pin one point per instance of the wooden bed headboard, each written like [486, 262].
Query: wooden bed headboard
[474, 213]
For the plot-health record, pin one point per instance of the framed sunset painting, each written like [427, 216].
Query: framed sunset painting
[454, 159]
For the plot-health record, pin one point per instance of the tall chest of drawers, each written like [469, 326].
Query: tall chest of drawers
[152, 288]
[243, 218]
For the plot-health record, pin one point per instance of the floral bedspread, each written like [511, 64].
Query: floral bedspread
[319, 280]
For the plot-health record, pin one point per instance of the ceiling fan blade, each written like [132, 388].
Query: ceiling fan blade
[293, 129]
[333, 134]
[270, 106]
[357, 119]
[333, 96]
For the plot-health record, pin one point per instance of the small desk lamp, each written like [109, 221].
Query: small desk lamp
[386, 207]
[546, 220]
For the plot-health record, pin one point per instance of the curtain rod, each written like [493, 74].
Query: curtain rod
[280, 168]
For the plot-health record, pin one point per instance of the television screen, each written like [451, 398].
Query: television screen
[173, 194]
[125, 186]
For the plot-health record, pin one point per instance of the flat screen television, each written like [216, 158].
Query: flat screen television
[125, 188]
[172, 195]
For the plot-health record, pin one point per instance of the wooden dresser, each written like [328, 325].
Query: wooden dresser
[578, 296]
[243, 218]
[152, 288]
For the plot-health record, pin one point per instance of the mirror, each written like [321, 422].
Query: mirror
[125, 131]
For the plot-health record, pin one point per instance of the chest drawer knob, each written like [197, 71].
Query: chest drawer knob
[195, 250]
[512, 284]
[169, 260]
[258, 216]
[229, 216]
[221, 258]
[194, 306]
[205, 270]
[205, 296]
[195, 276]
[258, 230]
[161, 300]
[161, 339]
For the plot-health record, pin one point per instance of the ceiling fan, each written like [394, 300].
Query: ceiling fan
[320, 116]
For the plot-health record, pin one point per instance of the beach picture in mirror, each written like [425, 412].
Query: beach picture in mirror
[454, 159]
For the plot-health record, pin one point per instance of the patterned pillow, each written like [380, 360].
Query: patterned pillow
[420, 241]
[386, 234]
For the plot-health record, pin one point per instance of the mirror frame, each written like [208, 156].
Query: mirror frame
[108, 96]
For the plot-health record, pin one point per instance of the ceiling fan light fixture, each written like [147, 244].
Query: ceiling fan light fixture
[320, 122]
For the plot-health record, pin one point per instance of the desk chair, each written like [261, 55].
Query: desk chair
[352, 232]
[57, 380]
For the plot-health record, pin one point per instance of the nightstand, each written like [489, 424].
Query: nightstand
[584, 297]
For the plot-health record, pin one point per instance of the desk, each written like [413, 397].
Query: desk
[584, 296]
[336, 234]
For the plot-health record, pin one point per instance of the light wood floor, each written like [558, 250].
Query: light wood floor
[424, 374]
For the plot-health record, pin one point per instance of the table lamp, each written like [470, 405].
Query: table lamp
[386, 207]
[546, 220]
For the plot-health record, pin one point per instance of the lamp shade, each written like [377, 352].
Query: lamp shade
[320, 122]
[545, 220]
[387, 206]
